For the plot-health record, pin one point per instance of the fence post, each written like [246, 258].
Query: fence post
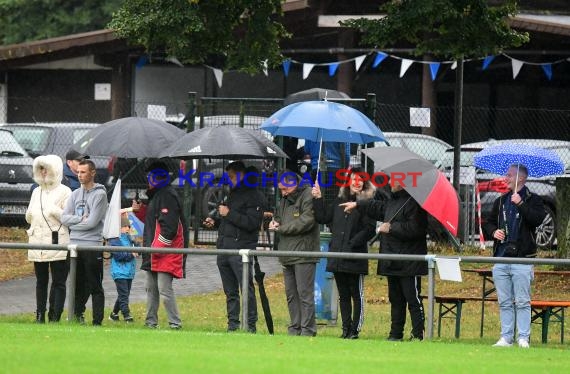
[244, 287]
[563, 215]
[431, 291]
[71, 289]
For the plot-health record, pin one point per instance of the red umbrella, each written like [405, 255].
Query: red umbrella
[427, 185]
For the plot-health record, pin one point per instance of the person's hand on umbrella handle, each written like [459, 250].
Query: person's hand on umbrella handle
[516, 199]
[316, 190]
[499, 234]
[136, 205]
[384, 228]
[349, 206]
[209, 222]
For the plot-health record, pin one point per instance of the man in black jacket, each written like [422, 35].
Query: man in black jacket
[512, 222]
[239, 221]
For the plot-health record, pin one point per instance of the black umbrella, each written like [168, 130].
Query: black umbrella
[314, 94]
[228, 142]
[130, 137]
[259, 275]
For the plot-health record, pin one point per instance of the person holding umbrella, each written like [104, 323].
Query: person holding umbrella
[511, 224]
[350, 233]
[238, 219]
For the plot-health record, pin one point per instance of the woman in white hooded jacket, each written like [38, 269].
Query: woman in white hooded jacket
[44, 216]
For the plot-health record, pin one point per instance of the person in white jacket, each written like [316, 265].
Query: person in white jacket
[44, 216]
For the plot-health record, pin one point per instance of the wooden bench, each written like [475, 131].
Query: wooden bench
[549, 311]
[452, 307]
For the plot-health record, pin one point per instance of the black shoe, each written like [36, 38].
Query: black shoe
[40, 317]
[344, 334]
[352, 335]
[129, 319]
[80, 319]
[393, 339]
[114, 316]
[174, 326]
[150, 325]
[252, 330]
[414, 338]
[232, 329]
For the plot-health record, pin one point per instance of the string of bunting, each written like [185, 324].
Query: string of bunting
[379, 57]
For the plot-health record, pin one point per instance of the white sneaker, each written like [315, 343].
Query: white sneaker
[523, 343]
[503, 343]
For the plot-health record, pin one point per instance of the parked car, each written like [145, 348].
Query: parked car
[429, 147]
[56, 138]
[15, 178]
[491, 185]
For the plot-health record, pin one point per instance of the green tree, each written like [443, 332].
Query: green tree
[229, 34]
[456, 29]
[27, 20]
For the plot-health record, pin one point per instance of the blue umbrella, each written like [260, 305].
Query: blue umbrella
[323, 121]
[540, 162]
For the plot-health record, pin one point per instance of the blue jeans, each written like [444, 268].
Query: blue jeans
[123, 293]
[512, 282]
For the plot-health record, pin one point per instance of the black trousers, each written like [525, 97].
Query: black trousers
[89, 282]
[123, 294]
[59, 270]
[351, 298]
[231, 270]
[404, 291]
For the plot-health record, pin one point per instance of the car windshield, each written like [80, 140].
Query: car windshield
[9, 145]
[33, 139]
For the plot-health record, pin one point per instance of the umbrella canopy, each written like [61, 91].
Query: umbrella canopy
[323, 121]
[314, 94]
[425, 184]
[540, 162]
[223, 142]
[137, 226]
[130, 137]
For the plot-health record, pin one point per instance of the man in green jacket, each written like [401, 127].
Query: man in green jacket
[296, 229]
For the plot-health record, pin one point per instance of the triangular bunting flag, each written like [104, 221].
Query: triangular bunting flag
[487, 61]
[358, 61]
[454, 65]
[307, 70]
[517, 65]
[434, 67]
[265, 71]
[405, 66]
[219, 76]
[380, 56]
[333, 68]
[286, 67]
[547, 68]
[141, 61]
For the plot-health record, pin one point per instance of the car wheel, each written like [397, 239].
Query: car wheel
[546, 232]
[211, 198]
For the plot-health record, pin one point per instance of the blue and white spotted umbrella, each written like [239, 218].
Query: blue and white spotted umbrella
[540, 162]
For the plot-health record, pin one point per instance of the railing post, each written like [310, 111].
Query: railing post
[72, 248]
[431, 291]
[244, 287]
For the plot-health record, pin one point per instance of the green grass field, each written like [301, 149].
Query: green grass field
[31, 348]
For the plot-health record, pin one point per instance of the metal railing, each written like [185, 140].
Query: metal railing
[245, 254]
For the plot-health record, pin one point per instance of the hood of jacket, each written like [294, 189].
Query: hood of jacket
[367, 192]
[54, 166]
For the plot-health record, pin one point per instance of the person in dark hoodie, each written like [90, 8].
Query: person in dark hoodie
[72, 160]
[350, 233]
[84, 215]
[165, 227]
[403, 229]
[296, 230]
[238, 220]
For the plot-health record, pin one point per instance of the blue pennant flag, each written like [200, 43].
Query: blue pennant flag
[286, 67]
[434, 67]
[487, 61]
[547, 68]
[380, 56]
[141, 61]
[332, 69]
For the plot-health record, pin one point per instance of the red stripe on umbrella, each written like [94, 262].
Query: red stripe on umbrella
[442, 203]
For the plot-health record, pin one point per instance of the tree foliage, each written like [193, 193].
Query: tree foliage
[230, 34]
[445, 28]
[27, 20]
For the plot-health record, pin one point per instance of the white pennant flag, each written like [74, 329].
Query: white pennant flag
[405, 66]
[517, 65]
[265, 70]
[219, 76]
[307, 70]
[358, 61]
[454, 65]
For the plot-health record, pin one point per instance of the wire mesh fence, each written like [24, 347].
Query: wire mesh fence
[402, 125]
